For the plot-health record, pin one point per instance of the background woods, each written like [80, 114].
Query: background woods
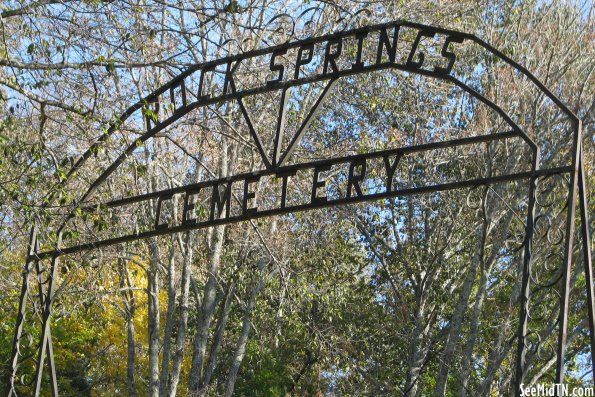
[412, 296]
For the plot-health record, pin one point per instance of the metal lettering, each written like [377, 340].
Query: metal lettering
[448, 55]
[317, 183]
[384, 42]
[301, 61]
[359, 64]
[248, 195]
[277, 67]
[152, 115]
[285, 175]
[172, 92]
[158, 225]
[353, 180]
[330, 58]
[188, 206]
[420, 59]
[201, 82]
[229, 81]
[331, 51]
[390, 170]
[218, 202]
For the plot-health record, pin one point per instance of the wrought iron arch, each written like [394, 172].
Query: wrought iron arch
[387, 48]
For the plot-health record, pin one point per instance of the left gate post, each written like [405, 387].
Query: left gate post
[18, 328]
[45, 339]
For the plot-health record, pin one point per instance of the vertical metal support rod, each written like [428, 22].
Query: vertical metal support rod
[306, 123]
[587, 259]
[525, 290]
[253, 132]
[18, 328]
[52, 366]
[281, 119]
[50, 347]
[567, 263]
[45, 339]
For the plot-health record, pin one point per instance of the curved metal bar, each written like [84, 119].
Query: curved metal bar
[180, 78]
[154, 130]
[292, 209]
[498, 110]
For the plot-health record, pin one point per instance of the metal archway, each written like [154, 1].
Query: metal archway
[331, 46]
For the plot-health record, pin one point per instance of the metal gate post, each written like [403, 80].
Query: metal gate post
[45, 339]
[567, 263]
[50, 349]
[525, 290]
[18, 328]
[587, 259]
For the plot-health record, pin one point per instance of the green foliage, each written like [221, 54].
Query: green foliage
[266, 374]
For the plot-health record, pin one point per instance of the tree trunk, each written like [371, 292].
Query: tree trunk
[212, 364]
[240, 351]
[454, 333]
[178, 355]
[169, 322]
[476, 316]
[210, 292]
[129, 311]
[153, 321]
[417, 354]
[479, 300]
